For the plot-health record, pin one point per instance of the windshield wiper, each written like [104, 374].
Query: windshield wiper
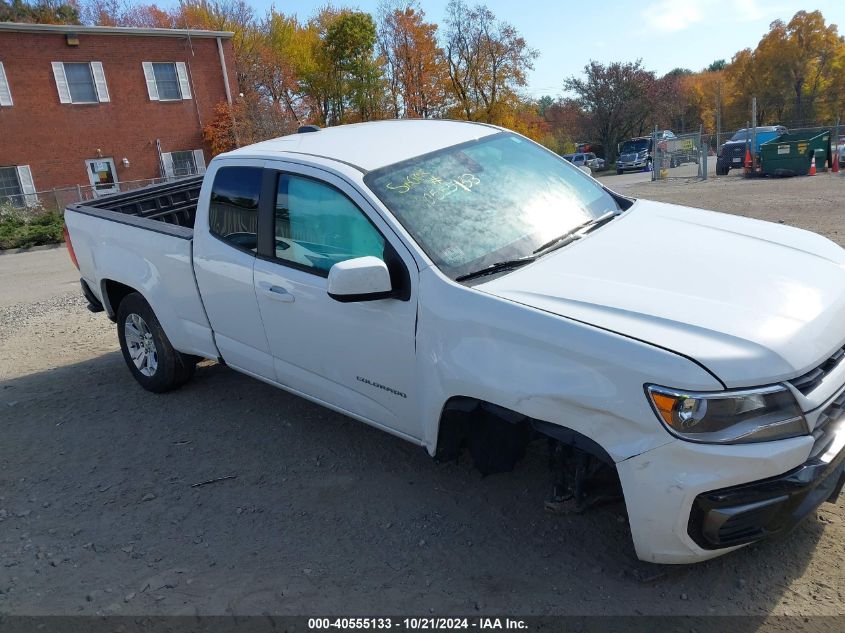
[574, 234]
[507, 264]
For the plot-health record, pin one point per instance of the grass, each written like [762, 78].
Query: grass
[22, 228]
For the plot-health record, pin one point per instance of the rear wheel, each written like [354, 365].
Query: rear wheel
[146, 349]
[619, 172]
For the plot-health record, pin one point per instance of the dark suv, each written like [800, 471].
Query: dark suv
[732, 153]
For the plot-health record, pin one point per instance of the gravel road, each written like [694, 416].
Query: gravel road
[100, 511]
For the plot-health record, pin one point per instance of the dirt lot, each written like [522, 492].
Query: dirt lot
[323, 514]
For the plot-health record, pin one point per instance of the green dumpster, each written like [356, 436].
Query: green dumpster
[790, 154]
[820, 157]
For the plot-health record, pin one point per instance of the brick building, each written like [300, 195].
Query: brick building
[100, 106]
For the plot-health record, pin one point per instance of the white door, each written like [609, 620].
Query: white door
[359, 356]
[224, 255]
[102, 175]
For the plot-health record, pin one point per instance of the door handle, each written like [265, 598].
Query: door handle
[279, 294]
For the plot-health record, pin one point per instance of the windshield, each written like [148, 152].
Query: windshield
[482, 202]
[631, 147]
[742, 135]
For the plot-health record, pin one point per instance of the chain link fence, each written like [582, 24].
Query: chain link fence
[679, 156]
[59, 198]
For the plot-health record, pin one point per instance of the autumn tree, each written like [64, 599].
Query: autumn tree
[488, 61]
[227, 15]
[284, 57]
[126, 13]
[39, 12]
[805, 49]
[415, 67]
[616, 99]
[248, 120]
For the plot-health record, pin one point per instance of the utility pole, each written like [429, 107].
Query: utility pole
[718, 116]
[753, 134]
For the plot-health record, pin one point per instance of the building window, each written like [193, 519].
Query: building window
[81, 82]
[183, 163]
[16, 186]
[167, 81]
[5, 91]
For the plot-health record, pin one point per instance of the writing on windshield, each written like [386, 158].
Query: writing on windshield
[489, 200]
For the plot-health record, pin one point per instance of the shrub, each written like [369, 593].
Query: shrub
[30, 226]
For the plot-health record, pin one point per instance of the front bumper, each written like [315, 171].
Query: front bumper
[634, 164]
[742, 514]
[682, 497]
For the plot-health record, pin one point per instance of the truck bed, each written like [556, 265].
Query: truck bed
[143, 240]
[165, 208]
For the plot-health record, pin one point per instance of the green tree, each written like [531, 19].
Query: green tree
[543, 104]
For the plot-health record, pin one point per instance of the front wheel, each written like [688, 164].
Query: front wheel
[146, 349]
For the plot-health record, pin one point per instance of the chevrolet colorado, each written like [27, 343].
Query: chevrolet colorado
[460, 286]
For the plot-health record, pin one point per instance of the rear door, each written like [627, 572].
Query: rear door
[357, 356]
[224, 257]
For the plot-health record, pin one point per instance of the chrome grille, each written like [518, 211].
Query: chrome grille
[813, 378]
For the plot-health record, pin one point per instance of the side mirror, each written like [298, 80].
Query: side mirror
[359, 279]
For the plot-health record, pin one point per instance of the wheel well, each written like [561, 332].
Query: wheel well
[114, 292]
[497, 437]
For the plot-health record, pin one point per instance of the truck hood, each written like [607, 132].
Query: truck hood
[754, 302]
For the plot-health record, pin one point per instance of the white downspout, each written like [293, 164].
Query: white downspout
[225, 72]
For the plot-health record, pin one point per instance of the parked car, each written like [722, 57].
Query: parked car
[593, 162]
[732, 153]
[466, 289]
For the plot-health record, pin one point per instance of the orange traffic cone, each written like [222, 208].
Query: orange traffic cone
[747, 161]
[835, 167]
[812, 168]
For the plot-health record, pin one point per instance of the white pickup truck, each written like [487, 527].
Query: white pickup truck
[462, 287]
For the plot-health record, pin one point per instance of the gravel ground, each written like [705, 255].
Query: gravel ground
[321, 514]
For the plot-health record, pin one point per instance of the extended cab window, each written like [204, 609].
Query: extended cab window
[233, 214]
[317, 226]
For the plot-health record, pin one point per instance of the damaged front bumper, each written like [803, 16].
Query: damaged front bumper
[691, 502]
[742, 514]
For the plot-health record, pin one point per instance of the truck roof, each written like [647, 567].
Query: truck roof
[369, 146]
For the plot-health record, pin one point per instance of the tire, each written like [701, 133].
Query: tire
[146, 349]
[721, 169]
[619, 172]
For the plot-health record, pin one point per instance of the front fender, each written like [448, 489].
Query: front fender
[542, 366]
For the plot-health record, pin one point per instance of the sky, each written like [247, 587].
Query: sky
[665, 34]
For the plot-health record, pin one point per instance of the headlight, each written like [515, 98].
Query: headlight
[729, 417]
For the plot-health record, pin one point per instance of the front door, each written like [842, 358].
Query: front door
[102, 175]
[359, 356]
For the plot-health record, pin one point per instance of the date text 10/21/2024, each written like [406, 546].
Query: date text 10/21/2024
[416, 624]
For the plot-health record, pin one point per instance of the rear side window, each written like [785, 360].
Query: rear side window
[233, 214]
